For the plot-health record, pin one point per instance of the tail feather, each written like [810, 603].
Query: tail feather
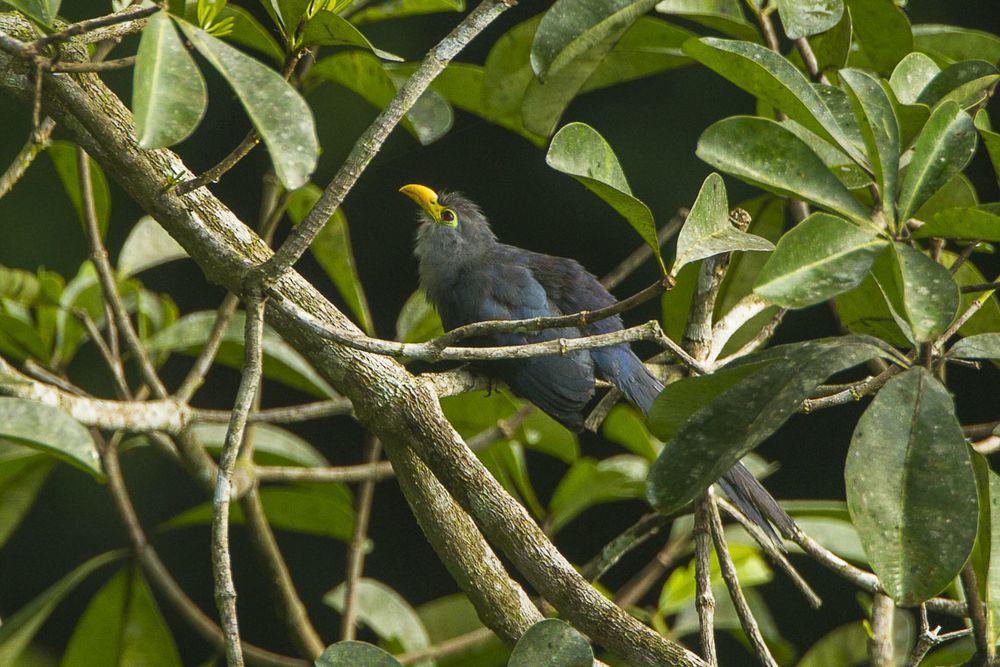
[641, 388]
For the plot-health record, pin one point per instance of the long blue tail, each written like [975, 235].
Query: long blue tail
[623, 368]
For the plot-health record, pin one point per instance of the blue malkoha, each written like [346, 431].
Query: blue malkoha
[469, 277]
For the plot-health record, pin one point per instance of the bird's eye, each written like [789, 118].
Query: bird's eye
[448, 216]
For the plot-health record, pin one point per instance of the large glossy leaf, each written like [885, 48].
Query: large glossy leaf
[943, 149]
[332, 249]
[589, 483]
[801, 18]
[63, 155]
[722, 15]
[169, 96]
[386, 613]
[272, 445]
[882, 31]
[395, 9]
[982, 346]
[772, 78]
[911, 489]
[19, 628]
[417, 321]
[147, 245]
[863, 310]
[966, 82]
[967, 222]
[707, 230]
[277, 110]
[736, 420]
[22, 474]
[922, 293]
[247, 31]
[911, 118]
[764, 153]
[352, 653]
[43, 11]
[833, 47]
[329, 29]
[991, 139]
[911, 76]
[49, 429]
[572, 27]
[950, 43]
[362, 72]
[281, 362]
[325, 510]
[551, 643]
[649, 46]
[626, 426]
[580, 151]
[819, 258]
[875, 116]
[122, 626]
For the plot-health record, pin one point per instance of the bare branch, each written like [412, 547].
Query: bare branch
[705, 599]
[206, 357]
[448, 648]
[880, 646]
[104, 66]
[985, 649]
[368, 145]
[640, 583]
[127, 15]
[747, 620]
[356, 549]
[648, 526]
[37, 142]
[929, 638]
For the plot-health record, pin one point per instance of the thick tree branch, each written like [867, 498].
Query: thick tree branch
[704, 599]
[880, 644]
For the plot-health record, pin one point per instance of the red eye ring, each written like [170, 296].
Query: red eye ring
[448, 215]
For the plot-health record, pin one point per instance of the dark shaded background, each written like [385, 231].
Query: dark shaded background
[653, 125]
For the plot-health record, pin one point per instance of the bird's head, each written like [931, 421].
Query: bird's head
[449, 220]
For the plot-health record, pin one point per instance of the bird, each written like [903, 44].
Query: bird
[469, 276]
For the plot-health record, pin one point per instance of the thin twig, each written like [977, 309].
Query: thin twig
[880, 646]
[213, 174]
[704, 599]
[979, 287]
[648, 526]
[449, 647]
[985, 649]
[640, 583]
[225, 591]
[125, 16]
[929, 638]
[745, 310]
[963, 257]
[755, 343]
[368, 145]
[111, 359]
[37, 142]
[206, 357]
[809, 59]
[106, 277]
[962, 319]
[356, 550]
[93, 66]
[365, 472]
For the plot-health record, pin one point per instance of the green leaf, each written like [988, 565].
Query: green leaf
[846, 646]
[832, 47]
[329, 29]
[943, 149]
[911, 76]
[19, 628]
[965, 222]
[277, 111]
[919, 290]
[169, 96]
[570, 28]
[352, 653]
[63, 155]
[272, 445]
[801, 18]
[418, 322]
[911, 489]
[332, 249]
[769, 76]
[966, 82]
[323, 509]
[147, 245]
[395, 9]
[551, 643]
[949, 43]
[22, 474]
[361, 72]
[958, 192]
[247, 31]
[49, 429]
[648, 47]
[987, 318]
[911, 118]
[281, 361]
[707, 230]
[123, 626]
[864, 311]
[740, 417]
[43, 11]
[580, 151]
[722, 15]
[875, 116]
[768, 155]
[882, 31]
[625, 426]
[819, 258]
[991, 139]
[982, 346]
[679, 589]
[589, 482]
[386, 614]
[452, 616]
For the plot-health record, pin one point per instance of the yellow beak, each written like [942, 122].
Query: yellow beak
[426, 198]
